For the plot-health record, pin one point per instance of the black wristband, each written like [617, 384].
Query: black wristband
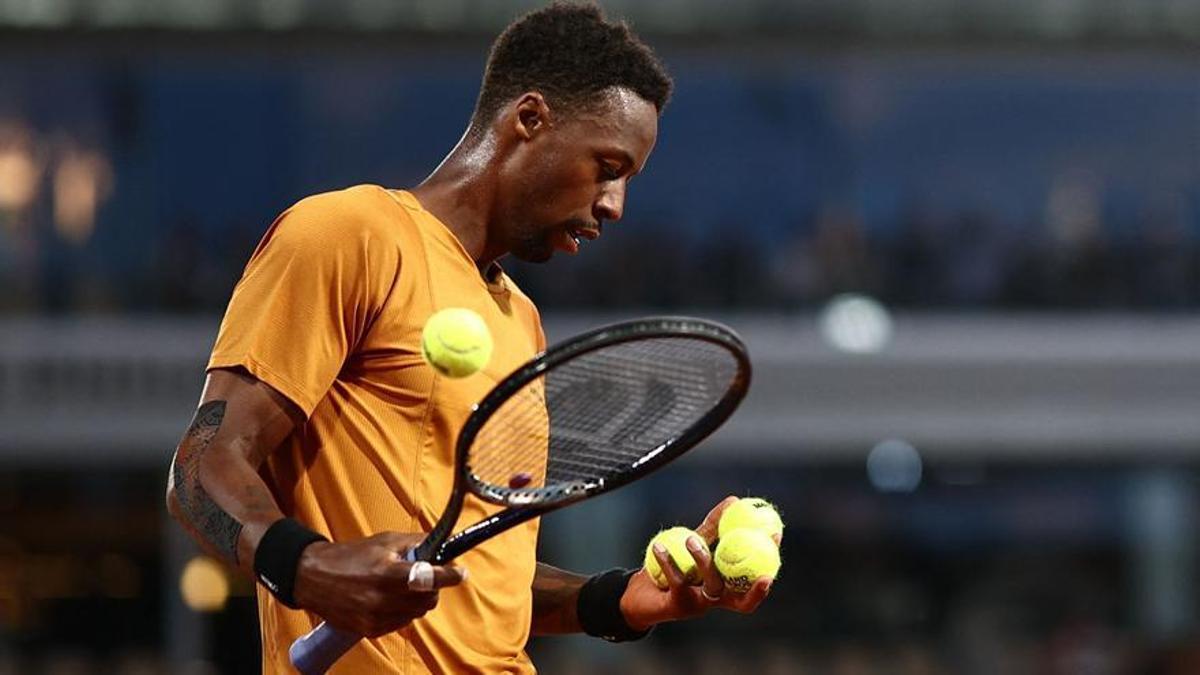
[599, 607]
[278, 555]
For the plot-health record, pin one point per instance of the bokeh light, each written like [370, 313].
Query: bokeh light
[856, 324]
[204, 585]
[894, 466]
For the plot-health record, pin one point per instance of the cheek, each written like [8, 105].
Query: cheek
[569, 187]
[560, 167]
[555, 185]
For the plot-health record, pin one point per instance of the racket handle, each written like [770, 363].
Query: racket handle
[316, 652]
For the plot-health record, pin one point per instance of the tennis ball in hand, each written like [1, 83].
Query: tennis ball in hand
[675, 541]
[745, 555]
[456, 342]
[751, 512]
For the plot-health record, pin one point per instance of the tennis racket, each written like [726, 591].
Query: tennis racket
[584, 417]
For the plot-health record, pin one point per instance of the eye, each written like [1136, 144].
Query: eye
[610, 170]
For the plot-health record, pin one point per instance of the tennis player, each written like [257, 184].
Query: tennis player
[323, 445]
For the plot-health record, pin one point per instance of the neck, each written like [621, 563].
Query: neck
[460, 193]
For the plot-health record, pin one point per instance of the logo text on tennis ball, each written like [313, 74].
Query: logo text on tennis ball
[742, 556]
[675, 541]
[456, 342]
[751, 512]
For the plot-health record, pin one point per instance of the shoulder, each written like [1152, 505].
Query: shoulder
[359, 210]
[359, 226]
[363, 221]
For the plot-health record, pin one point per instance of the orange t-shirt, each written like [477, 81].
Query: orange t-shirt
[329, 312]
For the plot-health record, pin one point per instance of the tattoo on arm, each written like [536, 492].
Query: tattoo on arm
[212, 522]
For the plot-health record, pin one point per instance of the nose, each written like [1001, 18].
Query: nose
[611, 202]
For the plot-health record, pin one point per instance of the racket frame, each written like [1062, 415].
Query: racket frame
[440, 546]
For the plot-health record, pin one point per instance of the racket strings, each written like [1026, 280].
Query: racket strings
[582, 398]
[601, 413]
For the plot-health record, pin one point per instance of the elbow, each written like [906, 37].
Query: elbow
[172, 497]
[173, 503]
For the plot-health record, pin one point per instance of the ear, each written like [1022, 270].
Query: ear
[532, 115]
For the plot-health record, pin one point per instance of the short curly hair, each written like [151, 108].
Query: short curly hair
[571, 54]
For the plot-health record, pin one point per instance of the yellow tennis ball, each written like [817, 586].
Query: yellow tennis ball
[675, 541]
[456, 342]
[745, 555]
[751, 512]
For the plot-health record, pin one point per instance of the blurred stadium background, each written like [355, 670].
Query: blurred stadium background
[961, 237]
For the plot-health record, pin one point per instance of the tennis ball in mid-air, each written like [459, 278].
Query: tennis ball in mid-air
[675, 541]
[751, 512]
[745, 555]
[456, 342]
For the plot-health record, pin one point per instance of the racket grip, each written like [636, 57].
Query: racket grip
[316, 652]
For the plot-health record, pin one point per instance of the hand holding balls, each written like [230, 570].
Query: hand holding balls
[456, 342]
[749, 533]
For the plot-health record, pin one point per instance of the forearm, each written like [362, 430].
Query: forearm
[215, 491]
[555, 598]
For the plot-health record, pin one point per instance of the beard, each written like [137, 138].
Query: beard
[535, 245]
[532, 245]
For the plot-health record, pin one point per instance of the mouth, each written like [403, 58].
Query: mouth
[573, 236]
[587, 232]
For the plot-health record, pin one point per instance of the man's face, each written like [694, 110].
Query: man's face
[571, 173]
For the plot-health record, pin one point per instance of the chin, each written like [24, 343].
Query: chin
[534, 256]
[532, 251]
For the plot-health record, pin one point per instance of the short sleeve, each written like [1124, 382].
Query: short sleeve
[310, 292]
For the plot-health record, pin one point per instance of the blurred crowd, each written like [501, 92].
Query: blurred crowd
[943, 261]
[64, 249]
[927, 260]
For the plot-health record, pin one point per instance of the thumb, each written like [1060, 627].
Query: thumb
[708, 528]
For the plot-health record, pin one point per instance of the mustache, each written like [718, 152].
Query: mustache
[582, 224]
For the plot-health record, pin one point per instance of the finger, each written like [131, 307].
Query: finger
[401, 576]
[425, 602]
[411, 605]
[708, 528]
[420, 576]
[429, 601]
[448, 575]
[671, 571]
[710, 578]
[419, 606]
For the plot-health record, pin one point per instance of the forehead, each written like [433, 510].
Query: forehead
[622, 119]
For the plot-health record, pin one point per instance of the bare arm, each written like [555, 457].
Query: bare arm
[214, 489]
[555, 595]
[215, 492]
